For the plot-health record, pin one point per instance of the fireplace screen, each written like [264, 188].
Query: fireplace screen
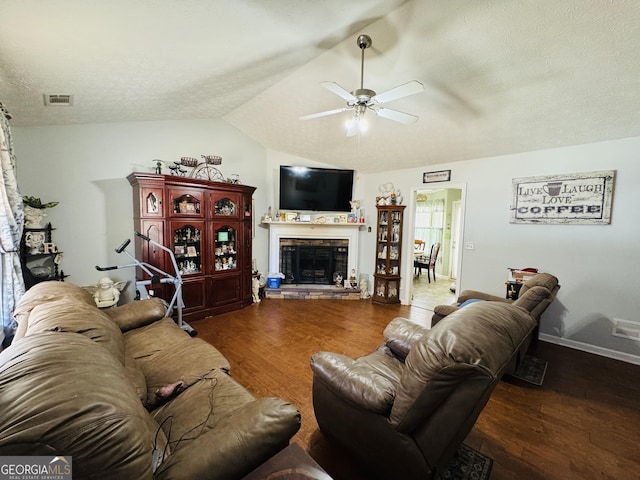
[313, 261]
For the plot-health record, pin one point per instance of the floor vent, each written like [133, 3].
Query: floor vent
[626, 329]
[58, 100]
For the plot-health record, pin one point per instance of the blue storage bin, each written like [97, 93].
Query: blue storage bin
[273, 282]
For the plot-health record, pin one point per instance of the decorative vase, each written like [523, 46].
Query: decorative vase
[33, 217]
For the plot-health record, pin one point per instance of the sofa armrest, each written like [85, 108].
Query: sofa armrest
[444, 310]
[475, 295]
[357, 383]
[137, 314]
[238, 444]
[400, 334]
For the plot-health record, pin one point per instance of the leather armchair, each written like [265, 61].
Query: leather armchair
[535, 296]
[404, 409]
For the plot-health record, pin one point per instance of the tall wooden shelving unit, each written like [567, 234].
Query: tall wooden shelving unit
[209, 227]
[386, 287]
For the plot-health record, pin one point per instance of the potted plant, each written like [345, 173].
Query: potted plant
[34, 211]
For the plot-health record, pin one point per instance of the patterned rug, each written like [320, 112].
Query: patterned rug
[531, 370]
[467, 464]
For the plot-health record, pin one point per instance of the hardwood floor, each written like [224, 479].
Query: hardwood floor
[583, 423]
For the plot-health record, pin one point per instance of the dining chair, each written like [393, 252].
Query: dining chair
[419, 258]
[435, 249]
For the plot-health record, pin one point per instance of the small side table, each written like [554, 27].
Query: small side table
[292, 462]
[513, 290]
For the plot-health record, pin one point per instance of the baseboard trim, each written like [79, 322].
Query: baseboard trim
[585, 347]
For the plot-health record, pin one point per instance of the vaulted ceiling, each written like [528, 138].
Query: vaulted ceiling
[500, 76]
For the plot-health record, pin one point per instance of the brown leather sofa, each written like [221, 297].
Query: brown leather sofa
[128, 394]
[535, 295]
[404, 409]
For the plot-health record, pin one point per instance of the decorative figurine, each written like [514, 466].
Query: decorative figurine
[255, 289]
[34, 211]
[35, 242]
[107, 292]
[353, 282]
[387, 194]
[364, 288]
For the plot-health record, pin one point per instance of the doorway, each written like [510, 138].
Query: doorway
[438, 219]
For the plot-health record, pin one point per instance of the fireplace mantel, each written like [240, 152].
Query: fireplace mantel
[308, 230]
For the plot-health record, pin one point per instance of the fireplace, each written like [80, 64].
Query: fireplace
[313, 261]
[338, 235]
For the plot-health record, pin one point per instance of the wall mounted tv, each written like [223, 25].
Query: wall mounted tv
[315, 189]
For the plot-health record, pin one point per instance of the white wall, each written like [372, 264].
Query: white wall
[597, 264]
[84, 167]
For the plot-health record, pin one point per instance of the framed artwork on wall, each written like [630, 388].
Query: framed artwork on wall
[578, 198]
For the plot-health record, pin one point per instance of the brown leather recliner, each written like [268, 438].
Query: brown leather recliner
[404, 409]
[535, 296]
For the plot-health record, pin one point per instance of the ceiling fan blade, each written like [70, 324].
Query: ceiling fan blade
[396, 116]
[338, 90]
[409, 88]
[324, 114]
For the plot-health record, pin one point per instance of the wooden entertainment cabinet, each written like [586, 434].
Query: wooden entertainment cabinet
[208, 226]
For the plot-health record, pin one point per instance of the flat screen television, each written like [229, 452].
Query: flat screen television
[315, 189]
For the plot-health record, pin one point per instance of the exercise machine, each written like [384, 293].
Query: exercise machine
[156, 276]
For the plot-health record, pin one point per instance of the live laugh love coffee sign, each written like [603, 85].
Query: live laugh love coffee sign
[579, 198]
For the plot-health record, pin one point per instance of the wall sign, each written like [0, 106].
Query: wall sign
[439, 176]
[579, 198]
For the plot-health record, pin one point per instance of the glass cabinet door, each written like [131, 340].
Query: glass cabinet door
[187, 244]
[225, 207]
[151, 202]
[226, 245]
[185, 203]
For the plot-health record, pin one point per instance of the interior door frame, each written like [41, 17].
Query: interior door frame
[406, 286]
[455, 238]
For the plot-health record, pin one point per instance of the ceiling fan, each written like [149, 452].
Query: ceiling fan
[363, 99]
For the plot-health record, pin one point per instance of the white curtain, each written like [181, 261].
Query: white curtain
[429, 222]
[11, 225]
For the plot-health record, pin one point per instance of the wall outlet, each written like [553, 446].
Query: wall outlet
[468, 246]
[626, 329]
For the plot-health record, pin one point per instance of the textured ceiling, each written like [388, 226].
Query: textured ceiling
[500, 76]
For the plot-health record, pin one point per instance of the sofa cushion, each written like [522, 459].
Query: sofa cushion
[47, 292]
[240, 441]
[68, 315]
[137, 314]
[200, 407]
[63, 394]
[167, 354]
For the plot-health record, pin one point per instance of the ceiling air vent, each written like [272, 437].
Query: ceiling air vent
[58, 100]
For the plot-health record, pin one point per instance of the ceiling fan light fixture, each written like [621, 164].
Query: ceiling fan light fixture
[362, 99]
[356, 124]
[363, 125]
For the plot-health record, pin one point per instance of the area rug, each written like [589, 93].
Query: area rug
[531, 370]
[467, 464]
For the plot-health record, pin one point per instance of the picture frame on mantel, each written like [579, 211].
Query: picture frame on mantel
[437, 176]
